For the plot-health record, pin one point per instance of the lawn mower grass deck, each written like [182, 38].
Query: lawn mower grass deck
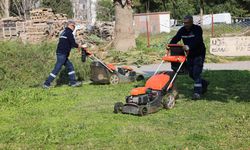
[158, 91]
[110, 74]
[143, 109]
[102, 73]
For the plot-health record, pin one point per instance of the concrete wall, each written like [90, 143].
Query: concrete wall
[157, 22]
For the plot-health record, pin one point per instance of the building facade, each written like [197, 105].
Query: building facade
[85, 10]
[153, 23]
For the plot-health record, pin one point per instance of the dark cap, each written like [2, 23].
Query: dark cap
[188, 17]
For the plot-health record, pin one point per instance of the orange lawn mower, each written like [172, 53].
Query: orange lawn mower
[102, 73]
[158, 91]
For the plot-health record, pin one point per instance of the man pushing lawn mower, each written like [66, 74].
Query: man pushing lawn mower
[66, 43]
[158, 90]
[191, 36]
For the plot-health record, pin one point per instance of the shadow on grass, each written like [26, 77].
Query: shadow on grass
[63, 78]
[224, 86]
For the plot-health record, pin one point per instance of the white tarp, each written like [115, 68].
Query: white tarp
[218, 18]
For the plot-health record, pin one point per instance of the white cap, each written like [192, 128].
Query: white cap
[71, 22]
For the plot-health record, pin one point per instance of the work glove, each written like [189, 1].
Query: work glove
[84, 55]
[84, 46]
[167, 47]
[185, 48]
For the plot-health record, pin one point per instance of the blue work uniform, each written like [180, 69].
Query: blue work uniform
[66, 43]
[197, 51]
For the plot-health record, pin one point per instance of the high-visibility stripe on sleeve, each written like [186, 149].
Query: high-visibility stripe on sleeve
[64, 37]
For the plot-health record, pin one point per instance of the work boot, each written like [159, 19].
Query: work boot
[45, 86]
[204, 86]
[196, 96]
[76, 84]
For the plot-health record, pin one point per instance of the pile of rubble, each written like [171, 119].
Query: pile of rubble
[8, 27]
[101, 31]
[44, 24]
[60, 16]
[104, 30]
[45, 14]
[41, 15]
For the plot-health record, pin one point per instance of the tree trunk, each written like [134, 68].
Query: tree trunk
[174, 8]
[124, 30]
[164, 5]
[201, 10]
[17, 8]
[1, 9]
[6, 8]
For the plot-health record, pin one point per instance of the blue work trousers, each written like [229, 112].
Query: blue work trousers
[195, 67]
[62, 59]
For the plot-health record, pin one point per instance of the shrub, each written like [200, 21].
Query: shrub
[26, 65]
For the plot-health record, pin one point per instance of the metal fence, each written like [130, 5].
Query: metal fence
[234, 29]
[237, 27]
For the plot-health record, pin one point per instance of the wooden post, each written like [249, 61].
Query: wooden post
[212, 25]
[201, 11]
[10, 32]
[3, 32]
[148, 33]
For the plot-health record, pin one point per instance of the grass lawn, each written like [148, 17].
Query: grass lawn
[82, 118]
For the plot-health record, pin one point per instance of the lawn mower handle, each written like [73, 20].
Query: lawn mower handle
[170, 84]
[93, 57]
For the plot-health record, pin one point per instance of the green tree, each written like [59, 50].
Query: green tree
[59, 6]
[235, 7]
[21, 8]
[179, 8]
[105, 10]
[142, 6]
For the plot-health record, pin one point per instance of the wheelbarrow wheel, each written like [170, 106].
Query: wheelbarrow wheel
[143, 111]
[114, 79]
[169, 101]
[118, 107]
